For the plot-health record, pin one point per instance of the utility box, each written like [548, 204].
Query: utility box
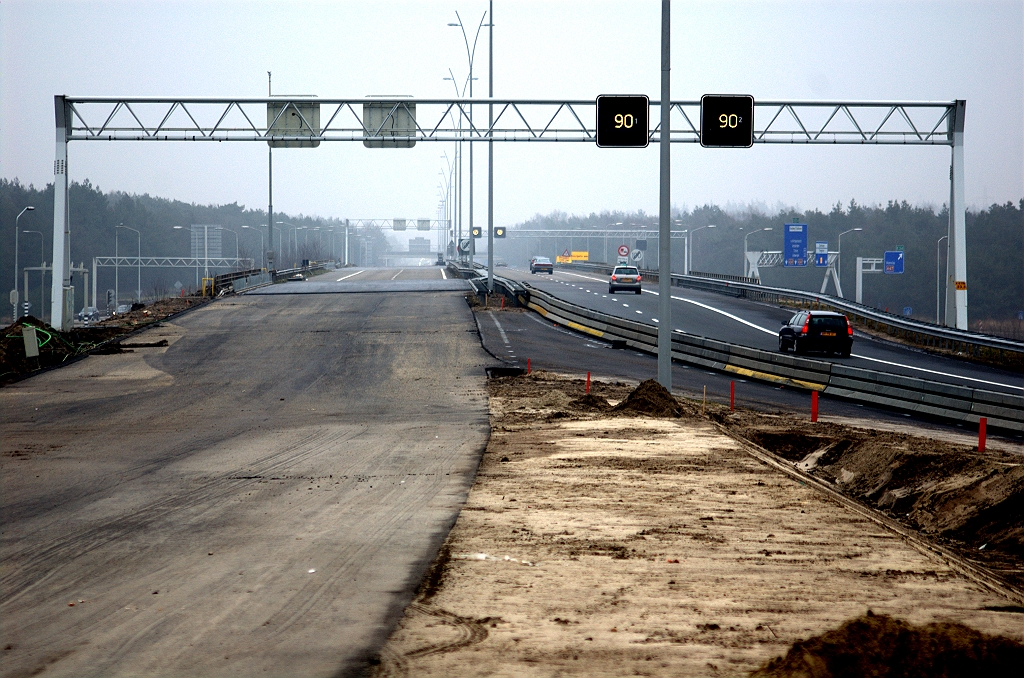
[28, 334]
[395, 119]
[294, 119]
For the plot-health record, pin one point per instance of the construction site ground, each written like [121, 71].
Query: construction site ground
[630, 541]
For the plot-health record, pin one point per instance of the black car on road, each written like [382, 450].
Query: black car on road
[824, 331]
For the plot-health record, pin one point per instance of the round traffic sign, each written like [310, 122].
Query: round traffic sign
[637, 255]
[623, 250]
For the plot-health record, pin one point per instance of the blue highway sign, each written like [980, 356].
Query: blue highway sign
[794, 247]
[821, 253]
[893, 262]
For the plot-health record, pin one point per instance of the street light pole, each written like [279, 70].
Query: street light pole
[938, 281]
[839, 252]
[42, 273]
[490, 150]
[470, 54]
[689, 248]
[665, 210]
[14, 297]
[138, 291]
[746, 263]
[234, 233]
[262, 249]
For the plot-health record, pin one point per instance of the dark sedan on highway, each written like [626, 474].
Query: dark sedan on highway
[824, 331]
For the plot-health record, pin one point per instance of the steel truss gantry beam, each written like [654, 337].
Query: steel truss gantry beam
[526, 120]
[904, 123]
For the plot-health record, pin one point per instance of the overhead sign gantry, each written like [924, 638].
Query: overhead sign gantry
[407, 121]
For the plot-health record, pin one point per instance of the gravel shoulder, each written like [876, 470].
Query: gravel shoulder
[607, 544]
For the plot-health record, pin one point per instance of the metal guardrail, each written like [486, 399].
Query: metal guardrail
[943, 401]
[987, 348]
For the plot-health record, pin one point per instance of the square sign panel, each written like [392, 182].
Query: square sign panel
[622, 121]
[727, 121]
[794, 245]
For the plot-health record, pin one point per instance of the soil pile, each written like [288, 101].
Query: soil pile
[879, 645]
[591, 403]
[141, 314]
[54, 347]
[652, 399]
[973, 502]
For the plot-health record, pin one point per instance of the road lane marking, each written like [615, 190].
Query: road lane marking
[443, 276]
[344, 277]
[399, 273]
[504, 337]
[855, 355]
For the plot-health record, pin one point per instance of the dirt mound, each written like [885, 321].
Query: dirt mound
[54, 347]
[879, 645]
[652, 399]
[591, 403]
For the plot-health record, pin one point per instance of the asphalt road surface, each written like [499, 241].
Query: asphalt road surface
[753, 324]
[261, 497]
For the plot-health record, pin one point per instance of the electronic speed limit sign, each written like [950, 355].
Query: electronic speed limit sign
[623, 250]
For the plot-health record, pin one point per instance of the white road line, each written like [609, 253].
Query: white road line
[944, 374]
[344, 277]
[443, 276]
[855, 355]
[399, 273]
[504, 338]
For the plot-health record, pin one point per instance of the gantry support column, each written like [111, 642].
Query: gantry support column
[60, 304]
[956, 257]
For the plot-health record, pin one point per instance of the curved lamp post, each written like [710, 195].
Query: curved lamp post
[14, 297]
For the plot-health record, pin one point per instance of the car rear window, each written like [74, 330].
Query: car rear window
[829, 321]
[625, 270]
[542, 260]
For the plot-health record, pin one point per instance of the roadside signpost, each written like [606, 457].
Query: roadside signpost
[794, 250]
[821, 253]
[637, 256]
[623, 250]
[893, 263]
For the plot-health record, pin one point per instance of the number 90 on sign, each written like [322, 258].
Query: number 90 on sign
[622, 121]
[727, 121]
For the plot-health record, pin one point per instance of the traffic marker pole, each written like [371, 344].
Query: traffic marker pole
[982, 426]
[814, 406]
[503, 302]
[527, 365]
[732, 395]
[588, 382]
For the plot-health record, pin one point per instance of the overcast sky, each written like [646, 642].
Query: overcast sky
[772, 50]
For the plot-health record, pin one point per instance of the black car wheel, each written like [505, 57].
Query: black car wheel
[845, 353]
[639, 291]
[611, 290]
[799, 347]
[782, 346]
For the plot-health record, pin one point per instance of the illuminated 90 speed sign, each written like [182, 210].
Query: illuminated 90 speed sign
[727, 121]
[622, 121]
